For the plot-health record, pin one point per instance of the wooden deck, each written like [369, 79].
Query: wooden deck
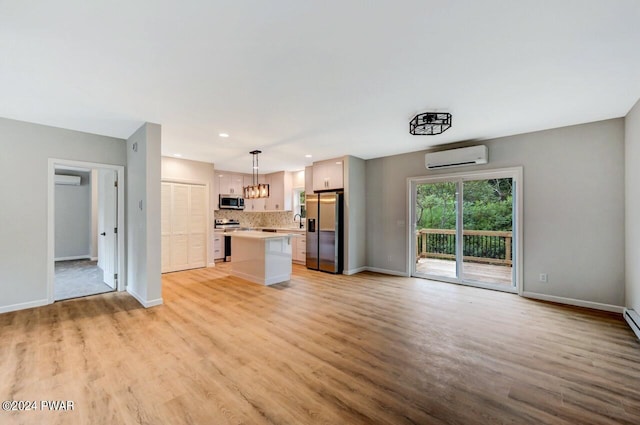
[486, 273]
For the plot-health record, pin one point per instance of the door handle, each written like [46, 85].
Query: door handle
[103, 234]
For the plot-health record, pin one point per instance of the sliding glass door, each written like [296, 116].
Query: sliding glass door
[436, 219]
[464, 228]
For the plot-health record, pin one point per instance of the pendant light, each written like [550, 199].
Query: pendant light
[255, 190]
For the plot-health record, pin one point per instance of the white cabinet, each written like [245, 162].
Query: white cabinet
[280, 192]
[218, 245]
[255, 205]
[227, 183]
[300, 254]
[297, 179]
[236, 187]
[308, 179]
[328, 175]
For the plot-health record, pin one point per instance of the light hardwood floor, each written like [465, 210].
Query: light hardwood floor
[363, 349]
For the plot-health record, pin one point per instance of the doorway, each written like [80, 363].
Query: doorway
[85, 209]
[466, 228]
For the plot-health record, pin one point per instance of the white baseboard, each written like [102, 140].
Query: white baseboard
[633, 319]
[75, 257]
[93, 258]
[23, 306]
[145, 303]
[211, 264]
[354, 271]
[571, 301]
[385, 271]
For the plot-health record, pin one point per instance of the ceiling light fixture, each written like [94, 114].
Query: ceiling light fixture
[430, 123]
[223, 135]
[255, 189]
[308, 156]
[177, 155]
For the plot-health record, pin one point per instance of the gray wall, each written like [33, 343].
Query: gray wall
[26, 149]
[573, 208]
[355, 243]
[182, 170]
[632, 207]
[73, 218]
[143, 215]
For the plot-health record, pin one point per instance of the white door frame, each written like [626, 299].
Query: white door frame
[466, 175]
[119, 169]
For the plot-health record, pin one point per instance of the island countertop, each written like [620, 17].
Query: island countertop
[261, 257]
[251, 234]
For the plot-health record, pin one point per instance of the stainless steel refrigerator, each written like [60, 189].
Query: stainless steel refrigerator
[324, 232]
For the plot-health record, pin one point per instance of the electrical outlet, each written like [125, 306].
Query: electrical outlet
[544, 277]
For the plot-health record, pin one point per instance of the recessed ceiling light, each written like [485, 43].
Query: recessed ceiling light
[338, 162]
[177, 155]
[223, 135]
[308, 156]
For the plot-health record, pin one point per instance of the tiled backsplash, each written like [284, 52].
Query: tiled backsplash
[260, 219]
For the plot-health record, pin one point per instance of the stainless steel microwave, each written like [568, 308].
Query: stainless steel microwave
[231, 202]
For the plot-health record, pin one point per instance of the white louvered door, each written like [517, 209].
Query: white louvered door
[197, 242]
[184, 226]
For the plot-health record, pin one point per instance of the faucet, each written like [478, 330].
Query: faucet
[294, 219]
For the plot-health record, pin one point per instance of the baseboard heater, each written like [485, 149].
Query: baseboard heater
[633, 319]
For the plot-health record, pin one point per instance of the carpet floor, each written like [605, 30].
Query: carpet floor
[78, 278]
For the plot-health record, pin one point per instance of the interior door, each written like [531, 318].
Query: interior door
[180, 227]
[197, 226]
[183, 226]
[107, 225]
[165, 226]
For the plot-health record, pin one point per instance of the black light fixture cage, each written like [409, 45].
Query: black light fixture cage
[430, 123]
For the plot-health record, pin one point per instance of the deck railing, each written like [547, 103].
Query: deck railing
[481, 246]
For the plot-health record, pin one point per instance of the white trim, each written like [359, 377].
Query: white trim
[212, 264]
[23, 306]
[386, 271]
[76, 257]
[119, 169]
[93, 258]
[572, 301]
[145, 304]
[354, 271]
[633, 319]
[514, 172]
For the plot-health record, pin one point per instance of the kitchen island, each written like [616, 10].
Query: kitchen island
[261, 257]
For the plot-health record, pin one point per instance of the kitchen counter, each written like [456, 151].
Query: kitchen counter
[261, 257]
[252, 234]
[295, 228]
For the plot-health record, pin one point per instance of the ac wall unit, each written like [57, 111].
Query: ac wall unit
[67, 180]
[457, 157]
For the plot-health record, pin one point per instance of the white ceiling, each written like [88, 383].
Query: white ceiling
[325, 77]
